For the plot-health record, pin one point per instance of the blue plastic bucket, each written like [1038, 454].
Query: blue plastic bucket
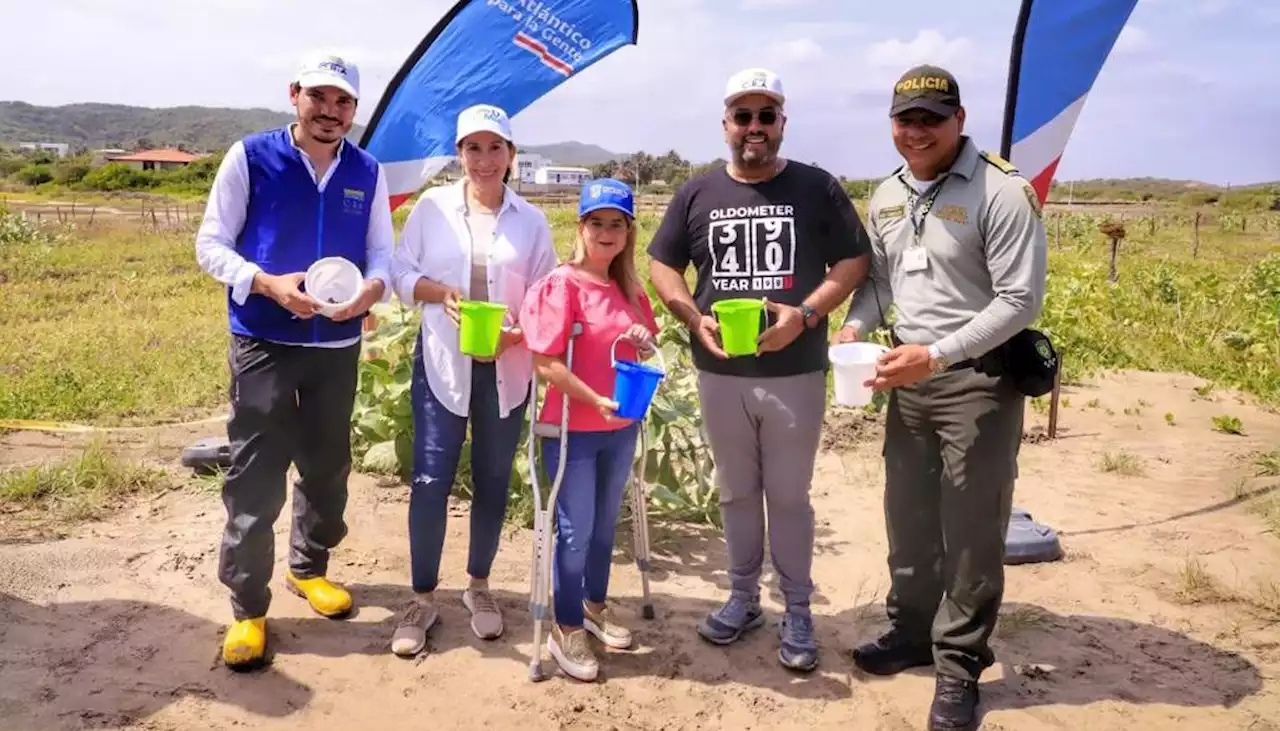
[633, 387]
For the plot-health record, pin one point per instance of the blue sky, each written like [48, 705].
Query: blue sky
[1191, 90]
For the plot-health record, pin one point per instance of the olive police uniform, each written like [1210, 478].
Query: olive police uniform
[962, 259]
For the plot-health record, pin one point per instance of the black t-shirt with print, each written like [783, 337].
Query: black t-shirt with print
[773, 239]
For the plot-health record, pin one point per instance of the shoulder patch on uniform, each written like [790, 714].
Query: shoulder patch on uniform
[889, 213]
[999, 162]
[1033, 198]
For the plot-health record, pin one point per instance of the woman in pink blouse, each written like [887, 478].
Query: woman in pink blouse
[600, 289]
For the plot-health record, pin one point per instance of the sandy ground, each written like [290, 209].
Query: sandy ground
[117, 624]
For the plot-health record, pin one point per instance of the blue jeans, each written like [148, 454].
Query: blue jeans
[597, 465]
[438, 435]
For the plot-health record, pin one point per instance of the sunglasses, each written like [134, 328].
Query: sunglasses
[743, 117]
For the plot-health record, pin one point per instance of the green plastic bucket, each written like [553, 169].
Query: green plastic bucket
[739, 324]
[480, 327]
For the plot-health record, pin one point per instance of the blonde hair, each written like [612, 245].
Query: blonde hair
[623, 267]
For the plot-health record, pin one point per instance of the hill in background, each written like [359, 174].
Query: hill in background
[194, 128]
[213, 129]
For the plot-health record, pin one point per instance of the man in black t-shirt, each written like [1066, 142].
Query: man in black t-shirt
[766, 228]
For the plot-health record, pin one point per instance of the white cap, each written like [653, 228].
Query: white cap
[754, 81]
[327, 69]
[483, 118]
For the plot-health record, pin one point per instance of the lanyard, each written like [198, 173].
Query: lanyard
[925, 204]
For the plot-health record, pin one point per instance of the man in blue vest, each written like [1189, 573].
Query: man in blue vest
[283, 199]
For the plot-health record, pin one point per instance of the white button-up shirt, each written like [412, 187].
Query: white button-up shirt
[224, 218]
[436, 243]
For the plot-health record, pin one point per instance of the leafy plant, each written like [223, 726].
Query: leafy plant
[1228, 424]
[678, 467]
[382, 419]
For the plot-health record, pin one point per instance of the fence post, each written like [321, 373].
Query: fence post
[1054, 398]
[1195, 237]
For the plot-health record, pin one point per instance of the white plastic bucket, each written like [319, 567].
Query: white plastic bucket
[334, 282]
[852, 364]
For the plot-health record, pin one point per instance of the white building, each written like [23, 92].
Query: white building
[528, 164]
[559, 175]
[61, 148]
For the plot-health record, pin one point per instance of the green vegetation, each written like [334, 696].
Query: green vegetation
[106, 326]
[115, 324]
[679, 468]
[81, 487]
[1215, 315]
[1258, 197]
[121, 126]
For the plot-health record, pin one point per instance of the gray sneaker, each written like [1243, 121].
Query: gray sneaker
[798, 649]
[410, 637]
[486, 619]
[728, 623]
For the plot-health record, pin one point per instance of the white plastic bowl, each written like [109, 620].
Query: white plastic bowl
[334, 282]
[853, 364]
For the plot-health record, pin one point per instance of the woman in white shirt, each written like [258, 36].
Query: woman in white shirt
[471, 240]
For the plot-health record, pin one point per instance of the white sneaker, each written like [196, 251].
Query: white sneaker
[603, 626]
[573, 654]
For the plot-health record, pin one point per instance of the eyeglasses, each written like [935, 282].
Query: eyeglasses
[743, 117]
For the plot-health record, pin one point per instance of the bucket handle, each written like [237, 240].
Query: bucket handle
[613, 353]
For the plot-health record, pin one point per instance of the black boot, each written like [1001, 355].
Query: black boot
[892, 653]
[955, 705]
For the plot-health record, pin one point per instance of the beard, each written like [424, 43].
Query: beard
[326, 129]
[755, 157]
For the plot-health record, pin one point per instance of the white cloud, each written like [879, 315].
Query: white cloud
[1214, 7]
[771, 4]
[820, 29]
[797, 51]
[1132, 39]
[838, 68]
[929, 46]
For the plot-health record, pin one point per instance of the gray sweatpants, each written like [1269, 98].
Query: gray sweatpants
[747, 420]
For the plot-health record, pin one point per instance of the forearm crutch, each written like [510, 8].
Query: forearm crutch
[639, 496]
[544, 518]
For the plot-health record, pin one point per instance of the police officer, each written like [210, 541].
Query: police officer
[958, 246]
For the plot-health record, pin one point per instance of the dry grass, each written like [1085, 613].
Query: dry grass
[1197, 586]
[1020, 619]
[1121, 463]
[79, 488]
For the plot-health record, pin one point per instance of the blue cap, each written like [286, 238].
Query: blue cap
[606, 193]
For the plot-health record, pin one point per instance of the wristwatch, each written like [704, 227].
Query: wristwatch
[937, 363]
[810, 316]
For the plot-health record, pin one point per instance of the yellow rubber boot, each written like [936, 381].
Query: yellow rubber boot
[245, 645]
[326, 598]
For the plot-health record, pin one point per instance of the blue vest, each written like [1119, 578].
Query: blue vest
[289, 224]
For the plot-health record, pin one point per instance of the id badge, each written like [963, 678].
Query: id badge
[915, 259]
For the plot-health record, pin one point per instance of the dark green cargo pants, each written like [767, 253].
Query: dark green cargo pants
[951, 448]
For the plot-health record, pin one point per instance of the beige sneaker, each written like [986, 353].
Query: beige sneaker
[605, 628]
[410, 637]
[573, 654]
[486, 620]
